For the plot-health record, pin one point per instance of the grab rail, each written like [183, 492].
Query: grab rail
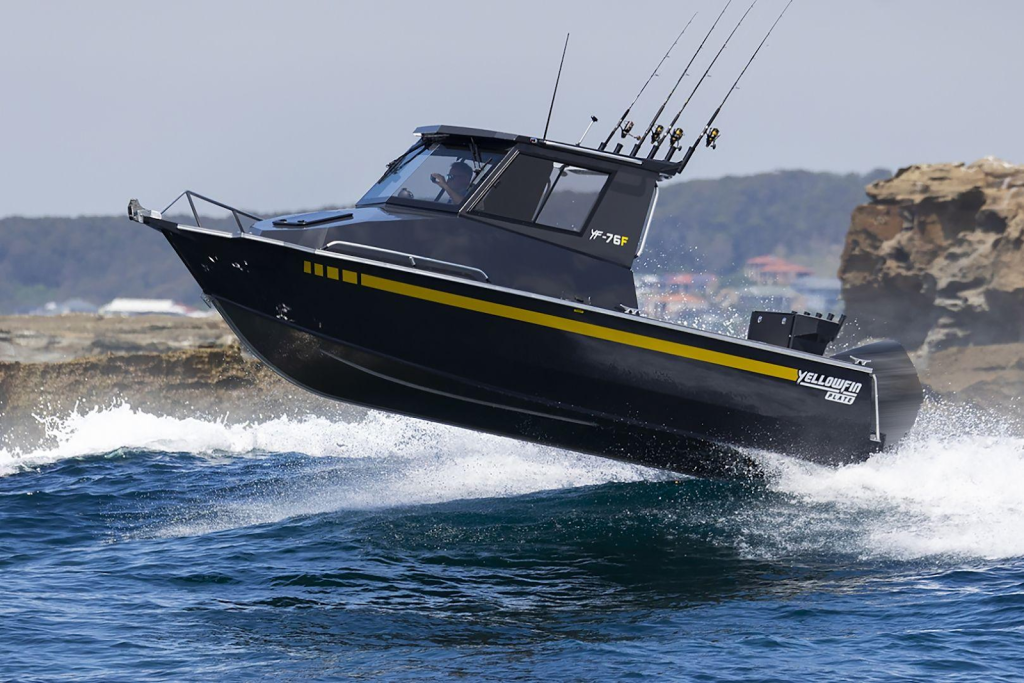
[403, 259]
[189, 194]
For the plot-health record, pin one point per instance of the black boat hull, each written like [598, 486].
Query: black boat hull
[529, 367]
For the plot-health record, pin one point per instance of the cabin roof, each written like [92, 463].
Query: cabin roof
[462, 131]
[663, 168]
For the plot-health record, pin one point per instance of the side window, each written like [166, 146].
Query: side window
[572, 195]
[548, 193]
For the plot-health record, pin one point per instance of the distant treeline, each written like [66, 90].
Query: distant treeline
[707, 225]
[716, 225]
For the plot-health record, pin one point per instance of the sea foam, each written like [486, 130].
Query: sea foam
[953, 488]
[414, 442]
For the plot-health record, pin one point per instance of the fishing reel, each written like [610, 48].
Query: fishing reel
[675, 137]
[712, 138]
[624, 132]
[657, 134]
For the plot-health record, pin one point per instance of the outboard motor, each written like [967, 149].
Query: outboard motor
[897, 385]
[896, 382]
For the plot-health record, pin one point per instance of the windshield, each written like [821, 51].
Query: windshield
[445, 174]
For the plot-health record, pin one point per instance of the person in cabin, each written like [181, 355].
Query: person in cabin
[456, 184]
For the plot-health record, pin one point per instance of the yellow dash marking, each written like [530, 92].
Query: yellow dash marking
[581, 328]
[307, 267]
[350, 277]
[332, 273]
[578, 310]
[318, 269]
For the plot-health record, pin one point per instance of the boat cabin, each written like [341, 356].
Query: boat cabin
[519, 212]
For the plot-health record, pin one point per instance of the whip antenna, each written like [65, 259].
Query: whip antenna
[640, 141]
[557, 79]
[677, 133]
[712, 133]
[649, 79]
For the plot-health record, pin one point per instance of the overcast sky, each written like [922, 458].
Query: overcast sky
[300, 104]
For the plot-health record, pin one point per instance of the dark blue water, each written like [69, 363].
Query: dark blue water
[140, 548]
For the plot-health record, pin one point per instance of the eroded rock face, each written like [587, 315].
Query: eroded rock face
[936, 259]
[212, 383]
[173, 366]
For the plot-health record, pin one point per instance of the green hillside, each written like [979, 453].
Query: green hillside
[711, 225]
[716, 225]
[93, 258]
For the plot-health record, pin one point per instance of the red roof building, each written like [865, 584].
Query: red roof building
[772, 270]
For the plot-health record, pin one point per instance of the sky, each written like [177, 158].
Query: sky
[277, 106]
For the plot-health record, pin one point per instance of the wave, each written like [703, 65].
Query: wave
[951, 489]
[102, 431]
[106, 430]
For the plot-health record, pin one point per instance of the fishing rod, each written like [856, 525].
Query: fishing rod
[640, 141]
[649, 79]
[712, 133]
[677, 133]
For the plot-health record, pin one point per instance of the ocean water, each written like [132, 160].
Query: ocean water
[135, 547]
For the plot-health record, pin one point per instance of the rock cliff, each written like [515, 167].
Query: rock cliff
[936, 260]
[180, 367]
[937, 257]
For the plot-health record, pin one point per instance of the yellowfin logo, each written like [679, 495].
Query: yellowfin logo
[837, 390]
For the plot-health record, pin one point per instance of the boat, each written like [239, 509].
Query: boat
[484, 281]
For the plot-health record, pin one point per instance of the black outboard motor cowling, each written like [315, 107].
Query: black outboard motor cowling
[898, 387]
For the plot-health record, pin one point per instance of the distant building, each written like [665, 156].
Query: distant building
[820, 294]
[691, 283]
[772, 270]
[766, 298]
[674, 306]
[64, 307]
[671, 296]
[125, 307]
[696, 299]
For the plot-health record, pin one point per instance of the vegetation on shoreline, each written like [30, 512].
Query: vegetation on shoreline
[705, 225]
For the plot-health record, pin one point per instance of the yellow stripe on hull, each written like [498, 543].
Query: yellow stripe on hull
[581, 328]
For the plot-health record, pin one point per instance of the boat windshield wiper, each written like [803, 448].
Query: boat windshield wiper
[475, 151]
[401, 160]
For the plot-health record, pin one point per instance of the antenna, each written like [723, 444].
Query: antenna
[552, 108]
[650, 78]
[712, 133]
[677, 133]
[593, 120]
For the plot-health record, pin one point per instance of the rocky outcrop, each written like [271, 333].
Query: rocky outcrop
[42, 339]
[991, 376]
[180, 367]
[936, 258]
